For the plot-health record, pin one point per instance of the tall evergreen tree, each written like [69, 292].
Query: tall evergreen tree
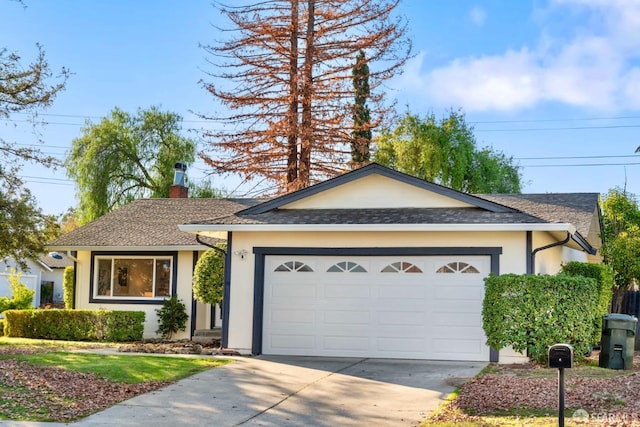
[284, 78]
[361, 134]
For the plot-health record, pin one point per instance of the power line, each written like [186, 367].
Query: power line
[559, 128]
[574, 157]
[579, 165]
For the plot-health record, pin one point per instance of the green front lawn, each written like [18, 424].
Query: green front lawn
[46, 380]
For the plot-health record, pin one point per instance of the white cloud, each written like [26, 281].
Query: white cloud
[478, 16]
[595, 65]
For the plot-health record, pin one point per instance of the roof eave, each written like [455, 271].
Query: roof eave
[164, 248]
[208, 228]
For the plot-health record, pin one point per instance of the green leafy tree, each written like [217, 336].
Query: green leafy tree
[206, 190]
[126, 157]
[621, 241]
[361, 134]
[445, 152]
[208, 276]
[25, 88]
[21, 295]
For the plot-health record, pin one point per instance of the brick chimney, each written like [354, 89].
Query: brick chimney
[179, 190]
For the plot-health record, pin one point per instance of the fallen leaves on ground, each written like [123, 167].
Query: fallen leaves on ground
[603, 401]
[54, 394]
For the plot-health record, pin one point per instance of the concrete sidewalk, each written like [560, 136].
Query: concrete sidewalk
[293, 391]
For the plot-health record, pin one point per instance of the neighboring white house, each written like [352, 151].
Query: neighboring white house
[45, 272]
[373, 263]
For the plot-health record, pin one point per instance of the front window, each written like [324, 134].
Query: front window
[133, 277]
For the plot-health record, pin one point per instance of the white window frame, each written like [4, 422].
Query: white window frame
[155, 258]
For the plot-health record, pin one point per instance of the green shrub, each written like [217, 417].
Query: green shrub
[172, 317]
[208, 277]
[530, 313]
[1, 327]
[75, 325]
[605, 277]
[67, 287]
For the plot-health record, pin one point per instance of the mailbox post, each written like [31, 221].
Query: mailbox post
[561, 357]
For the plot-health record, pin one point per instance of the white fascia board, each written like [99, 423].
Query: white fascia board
[45, 266]
[195, 247]
[204, 229]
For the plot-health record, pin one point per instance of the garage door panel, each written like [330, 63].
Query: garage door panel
[347, 291]
[415, 345]
[395, 290]
[349, 343]
[402, 318]
[286, 316]
[292, 342]
[409, 311]
[293, 290]
[468, 320]
[346, 317]
[446, 291]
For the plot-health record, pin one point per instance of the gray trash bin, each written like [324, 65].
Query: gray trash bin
[618, 339]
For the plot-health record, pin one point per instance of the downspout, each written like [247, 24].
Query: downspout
[542, 248]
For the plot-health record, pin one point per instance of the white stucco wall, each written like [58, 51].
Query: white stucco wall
[184, 275]
[512, 260]
[549, 261]
[375, 191]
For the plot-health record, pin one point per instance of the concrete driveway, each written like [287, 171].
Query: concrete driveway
[296, 391]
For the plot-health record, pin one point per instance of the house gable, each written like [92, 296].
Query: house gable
[375, 186]
[376, 191]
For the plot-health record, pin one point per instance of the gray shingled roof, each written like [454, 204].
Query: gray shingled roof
[573, 208]
[154, 222]
[52, 262]
[377, 216]
[149, 223]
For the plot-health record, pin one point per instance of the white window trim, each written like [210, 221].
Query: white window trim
[155, 259]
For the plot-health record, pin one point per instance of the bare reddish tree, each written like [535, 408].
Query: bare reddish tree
[283, 76]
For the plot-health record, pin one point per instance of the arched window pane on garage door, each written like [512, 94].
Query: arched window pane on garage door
[401, 267]
[346, 267]
[291, 266]
[458, 267]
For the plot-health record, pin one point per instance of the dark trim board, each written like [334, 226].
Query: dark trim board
[226, 292]
[261, 252]
[194, 304]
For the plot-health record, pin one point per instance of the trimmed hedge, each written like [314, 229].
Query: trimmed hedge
[1, 327]
[604, 275]
[530, 313]
[75, 325]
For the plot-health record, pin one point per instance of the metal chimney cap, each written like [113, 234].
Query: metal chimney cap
[180, 166]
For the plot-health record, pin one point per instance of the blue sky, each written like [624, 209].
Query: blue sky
[555, 84]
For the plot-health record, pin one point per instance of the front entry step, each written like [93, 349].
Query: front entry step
[207, 334]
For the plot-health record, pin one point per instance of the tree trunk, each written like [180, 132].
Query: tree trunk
[304, 171]
[292, 137]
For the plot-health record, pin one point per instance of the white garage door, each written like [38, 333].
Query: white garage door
[387, 307]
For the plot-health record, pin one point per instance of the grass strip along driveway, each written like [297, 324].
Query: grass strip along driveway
[45, 381]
